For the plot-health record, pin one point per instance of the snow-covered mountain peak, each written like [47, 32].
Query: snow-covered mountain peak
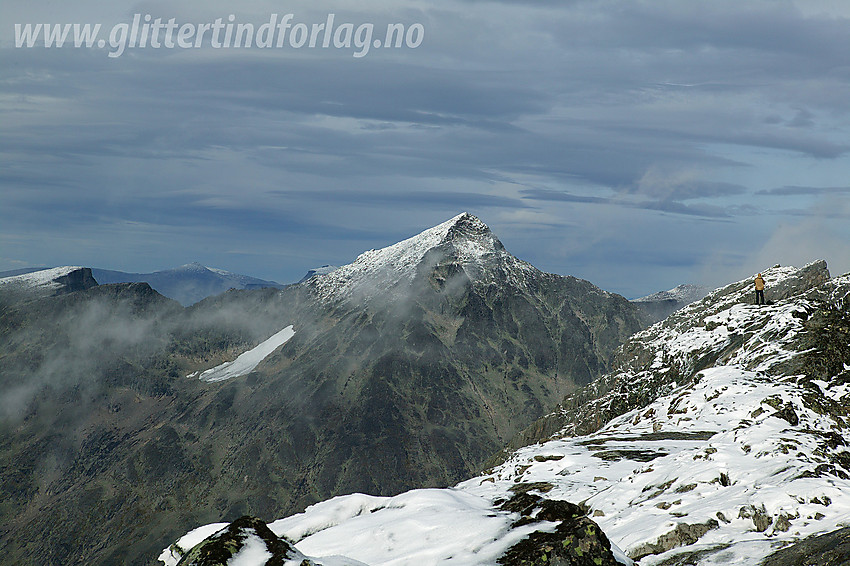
[686, 293]
[194, 267]
[464, 240]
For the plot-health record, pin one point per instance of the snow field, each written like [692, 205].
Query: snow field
[247, 361]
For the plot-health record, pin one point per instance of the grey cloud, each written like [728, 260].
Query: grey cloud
[503, 98]
[797, 190]
[429, 199]
[561, 196]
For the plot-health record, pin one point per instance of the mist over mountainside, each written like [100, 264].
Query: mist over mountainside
[721, 436]
[406, 369]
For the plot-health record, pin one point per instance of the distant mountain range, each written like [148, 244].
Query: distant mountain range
[659, 306]
[186, 284]
[193, 282]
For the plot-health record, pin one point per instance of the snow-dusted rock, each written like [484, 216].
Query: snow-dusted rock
[464, 240]
[47, 282]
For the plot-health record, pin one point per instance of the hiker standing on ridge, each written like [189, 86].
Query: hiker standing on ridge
[759, 290]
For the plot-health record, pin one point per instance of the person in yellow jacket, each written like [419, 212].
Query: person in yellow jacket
[759, 290]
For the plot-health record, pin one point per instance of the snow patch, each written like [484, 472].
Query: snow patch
[247, 361]
[420, 527]
[252, 553]
[171, 555]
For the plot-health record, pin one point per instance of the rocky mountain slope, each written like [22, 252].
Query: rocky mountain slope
[720, 437]
[405, 369]
[411, 365]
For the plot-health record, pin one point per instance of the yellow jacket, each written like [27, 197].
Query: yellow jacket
[759, 283]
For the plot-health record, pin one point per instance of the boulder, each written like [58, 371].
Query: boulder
[831, 549]
[246, 533]
[576, 541]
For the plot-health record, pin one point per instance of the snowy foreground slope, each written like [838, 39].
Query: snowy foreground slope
[721, 437]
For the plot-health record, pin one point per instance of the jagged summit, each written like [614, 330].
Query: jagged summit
[471, 237]
[463, 240]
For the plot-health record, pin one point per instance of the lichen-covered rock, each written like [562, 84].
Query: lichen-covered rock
[246, 534]
[683, 535]
[576, 541]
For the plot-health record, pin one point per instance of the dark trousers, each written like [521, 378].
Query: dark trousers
[759, 297]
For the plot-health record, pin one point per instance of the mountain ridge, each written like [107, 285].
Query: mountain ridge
[727, 439]
[187, 284]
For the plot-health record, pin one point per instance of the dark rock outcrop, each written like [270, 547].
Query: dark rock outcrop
[683, 534]
[218, 549]
[77, 280]
[38, 284]
[831, 549]
[576, 541]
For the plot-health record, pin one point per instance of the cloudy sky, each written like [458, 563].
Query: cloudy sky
[635, 144]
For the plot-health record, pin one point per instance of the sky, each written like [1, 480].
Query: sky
[639, 145]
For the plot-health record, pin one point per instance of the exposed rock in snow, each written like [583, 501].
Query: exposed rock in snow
[431, 527]
[831, 549]
[576, 540]
[245, 542]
